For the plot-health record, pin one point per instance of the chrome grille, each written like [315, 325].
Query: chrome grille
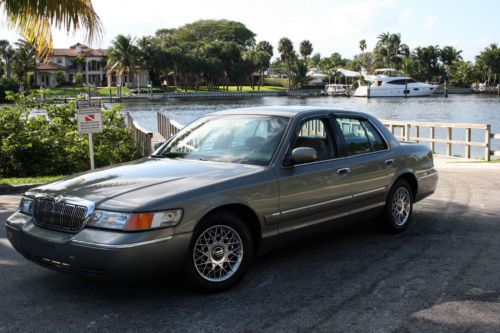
[59, 215]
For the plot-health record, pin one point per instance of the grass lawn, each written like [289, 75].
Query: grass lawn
[28, 180]
[71, 91]
[233, 89]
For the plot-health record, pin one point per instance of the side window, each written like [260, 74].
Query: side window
[355, 136]
[376, 139]
[314, 134]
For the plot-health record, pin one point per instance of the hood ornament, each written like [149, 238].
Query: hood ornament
[58, 199]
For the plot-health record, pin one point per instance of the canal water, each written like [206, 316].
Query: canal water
[478, 109]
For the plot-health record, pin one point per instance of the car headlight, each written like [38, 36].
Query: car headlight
[26, 206]
[136, 221]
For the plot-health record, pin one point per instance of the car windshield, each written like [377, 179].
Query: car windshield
[248, 139]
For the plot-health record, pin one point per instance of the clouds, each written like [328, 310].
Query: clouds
[430, 22]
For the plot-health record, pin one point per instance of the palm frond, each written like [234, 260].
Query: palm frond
[34, 19]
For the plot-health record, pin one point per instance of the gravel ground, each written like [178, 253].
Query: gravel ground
[442, 275]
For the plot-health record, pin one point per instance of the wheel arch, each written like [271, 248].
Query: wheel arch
[248, 216]
[411, 179]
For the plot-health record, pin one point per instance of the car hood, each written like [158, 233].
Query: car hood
[137, 182]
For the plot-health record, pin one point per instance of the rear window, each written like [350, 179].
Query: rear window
[360, 136]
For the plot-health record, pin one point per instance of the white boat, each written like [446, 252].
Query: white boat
[335, 89]
[388, 82]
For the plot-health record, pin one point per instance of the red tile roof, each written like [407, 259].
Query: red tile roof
[84, 51]
[49, 66]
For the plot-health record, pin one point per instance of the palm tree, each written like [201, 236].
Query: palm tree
[305, 49]
[33, 19]
[24, 60]
[300, 77]
[489, 61]
[362, 47]
[147, 55]
[122, 57]
[285, 47]
[7, 54]
[448, 55]
[390, 50]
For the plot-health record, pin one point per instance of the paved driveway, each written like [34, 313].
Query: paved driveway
[443, 274]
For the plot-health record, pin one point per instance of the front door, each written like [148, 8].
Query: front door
[313, 192]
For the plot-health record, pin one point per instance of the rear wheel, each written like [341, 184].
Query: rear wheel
[220, 252]
[398, 208]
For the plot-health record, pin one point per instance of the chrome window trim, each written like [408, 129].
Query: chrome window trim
[374, 126]
[325, 115]
[118, 246]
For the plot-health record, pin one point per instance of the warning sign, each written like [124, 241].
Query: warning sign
[89, 121]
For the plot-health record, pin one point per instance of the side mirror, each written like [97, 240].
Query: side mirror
[304, 155]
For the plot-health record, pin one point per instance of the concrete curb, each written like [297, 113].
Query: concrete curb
[17, 189]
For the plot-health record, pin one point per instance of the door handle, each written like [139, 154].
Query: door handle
[389, 163]
[343, 171]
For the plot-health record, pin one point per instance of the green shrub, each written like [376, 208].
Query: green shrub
[8, 84]
[79, 79]
[49, 144]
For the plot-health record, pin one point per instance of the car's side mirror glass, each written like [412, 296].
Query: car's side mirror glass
[304, 155]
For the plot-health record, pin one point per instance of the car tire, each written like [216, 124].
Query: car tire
[398, 209]
[220, 253]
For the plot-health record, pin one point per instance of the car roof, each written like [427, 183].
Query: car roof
[285, 111]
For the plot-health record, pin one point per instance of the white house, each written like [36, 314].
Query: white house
[317, 78]
[92, 67]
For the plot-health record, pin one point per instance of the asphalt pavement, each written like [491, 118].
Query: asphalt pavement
[441, 275]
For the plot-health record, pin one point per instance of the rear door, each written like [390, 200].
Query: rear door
[370, 160]
[313, 192]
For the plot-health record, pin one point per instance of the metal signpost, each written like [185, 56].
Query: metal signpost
[89, 122]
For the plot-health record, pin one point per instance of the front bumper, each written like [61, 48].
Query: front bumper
[99, 253]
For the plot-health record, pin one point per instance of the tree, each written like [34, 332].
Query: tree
[7, 54]
[148, 56]
[24, 60]
[462, 73]
[362, 47]
[122, 57]
[59, 77]
[299, 75]
[285, 48]
[33, 19]
[390, 51]
[448, 56]
[316, 59]
[305, 50]
[426, 62]
[265, 46]
[488, 62]
[79, 61]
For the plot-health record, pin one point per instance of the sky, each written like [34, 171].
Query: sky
[331, 26]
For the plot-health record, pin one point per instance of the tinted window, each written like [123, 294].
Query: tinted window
[230, 138]
[374, 136]
[355, 136]
[314, 134]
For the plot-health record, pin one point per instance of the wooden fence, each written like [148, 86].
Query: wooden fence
[142, 136]
[167, 127]
[403, 131]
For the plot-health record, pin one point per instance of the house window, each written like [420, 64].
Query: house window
[70, 77]
[94, 65]
[59, 60]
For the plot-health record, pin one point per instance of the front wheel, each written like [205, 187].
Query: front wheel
[398, 208]
[220, 253]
